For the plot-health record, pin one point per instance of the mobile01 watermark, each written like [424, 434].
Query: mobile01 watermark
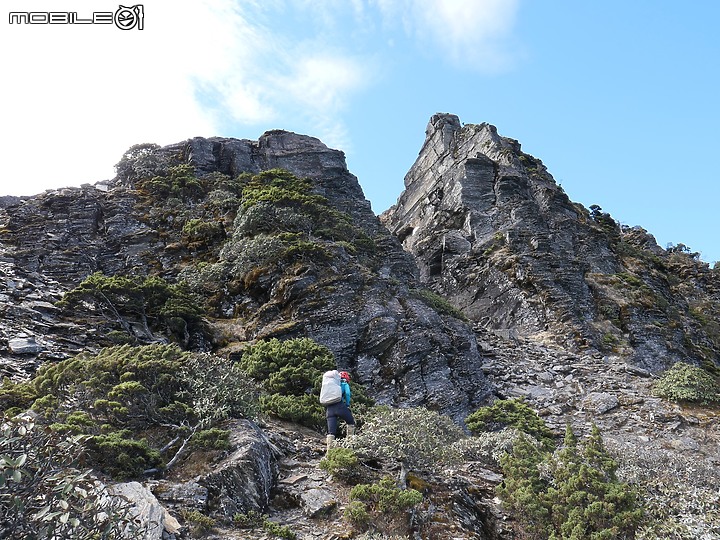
[124, 17]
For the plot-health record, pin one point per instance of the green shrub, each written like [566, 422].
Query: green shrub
[201, 231]
[683, 382]
[254, 520]
[249, 520]
[415, 437]
[217, 388]
[121, 455]
[510, 413]
[341, 463]
[276, 191]
[16, 396]
[304, 410]
[150, 301]
[76, 423]
[382, 502]
[571, 494]
[200, 524]
[485, 447]
[140, 161]
[178, 181]
[291, 373]
[277, 530]
[356, 512]
[213, 438]
[438, 303]
[120, 392]
[43, 494]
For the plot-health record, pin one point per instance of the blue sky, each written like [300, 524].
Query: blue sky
[617, 98]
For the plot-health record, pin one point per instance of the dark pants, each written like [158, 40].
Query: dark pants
[335, 411]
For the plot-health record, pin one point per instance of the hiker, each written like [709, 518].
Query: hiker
[339, 409]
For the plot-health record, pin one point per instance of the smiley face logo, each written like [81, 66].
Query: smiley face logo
[127, 18]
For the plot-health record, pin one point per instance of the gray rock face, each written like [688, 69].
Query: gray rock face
[491, 230]
[302, 155]
[243, 481]
[364, 312]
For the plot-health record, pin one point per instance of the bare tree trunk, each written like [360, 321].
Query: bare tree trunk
[181, 451]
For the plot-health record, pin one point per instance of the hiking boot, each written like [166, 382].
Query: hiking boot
[330, 441]
[350, 430]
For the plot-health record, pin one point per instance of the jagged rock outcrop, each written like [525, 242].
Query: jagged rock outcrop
[366, 309]
[490, 228]
[243, 481]
[483, 224]
[492, 231]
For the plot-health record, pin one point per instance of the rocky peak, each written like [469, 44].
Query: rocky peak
[366, 307]
[492, 230]
[482, 223]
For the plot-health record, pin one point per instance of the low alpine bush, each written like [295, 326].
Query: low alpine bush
[117, 396]
[683, 382]
[291, 373]
[341, 463]
[382, 502]
[510, 413]
[570, 494]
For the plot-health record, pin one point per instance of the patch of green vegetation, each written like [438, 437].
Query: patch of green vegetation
[630, 280]
[282, 221]
[438, 303]
[212, 439]
[277, 530]
[140, 161]
[498, 241]
[510, 413]
[115, 396]
[151, 301]
[686, 383]
[341, 463]
[199, 523]
[286, 203]
[610, 341]
[637, 291]
[178, 181]
[605, 221]
[255, 520]
[570, 494]
[413, 437]
[383, 499]
[291, 374]
[199, 231]
[121, 455]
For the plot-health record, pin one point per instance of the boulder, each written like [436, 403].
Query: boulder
[243, 481]
[148, 514]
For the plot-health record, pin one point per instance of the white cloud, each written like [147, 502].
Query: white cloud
[76, 97]
[473, 33]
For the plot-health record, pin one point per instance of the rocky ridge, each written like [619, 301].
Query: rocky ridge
[570, 312]
[393, 340]
[491, 230]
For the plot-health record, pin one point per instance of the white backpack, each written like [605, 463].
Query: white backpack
[330, 391]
